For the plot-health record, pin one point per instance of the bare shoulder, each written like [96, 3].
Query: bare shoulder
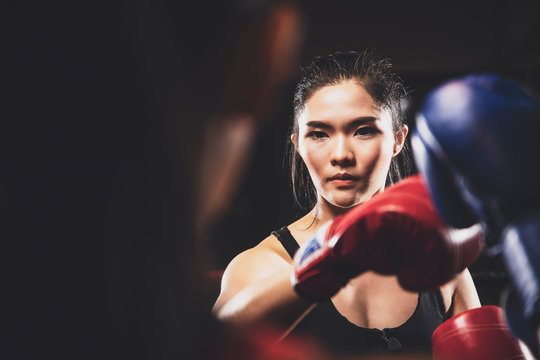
[250, 267]
[256, 263]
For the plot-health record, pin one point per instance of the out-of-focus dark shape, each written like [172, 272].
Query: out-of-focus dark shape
[262, 58]
[476, 144]
[108, 105]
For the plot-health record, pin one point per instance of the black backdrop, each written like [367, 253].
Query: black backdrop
[98, 225]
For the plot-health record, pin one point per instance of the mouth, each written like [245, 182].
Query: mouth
[344, 176]
[343, 180]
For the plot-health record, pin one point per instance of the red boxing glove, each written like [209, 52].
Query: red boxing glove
[477, 334]
[396, 232]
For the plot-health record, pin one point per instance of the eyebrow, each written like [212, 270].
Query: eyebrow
[354, 123]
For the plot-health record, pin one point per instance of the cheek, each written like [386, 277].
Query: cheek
[375, 157]
[387, 150]
[376, 151]
[314, 160]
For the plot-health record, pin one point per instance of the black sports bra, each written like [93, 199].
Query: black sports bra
[326, 326]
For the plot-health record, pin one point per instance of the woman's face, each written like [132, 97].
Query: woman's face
[347, 143]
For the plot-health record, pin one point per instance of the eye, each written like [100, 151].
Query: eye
[366, 131]
[316, 134]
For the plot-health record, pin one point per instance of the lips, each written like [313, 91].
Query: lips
[343, 180]
[343, 177]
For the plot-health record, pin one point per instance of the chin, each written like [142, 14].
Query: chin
[346, 203]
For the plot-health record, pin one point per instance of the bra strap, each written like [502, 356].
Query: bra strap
[287, 240]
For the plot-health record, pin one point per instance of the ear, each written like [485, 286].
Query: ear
[294, 140]
[399, 139]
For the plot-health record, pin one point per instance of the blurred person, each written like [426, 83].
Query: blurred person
[259, 62]
[97, 182]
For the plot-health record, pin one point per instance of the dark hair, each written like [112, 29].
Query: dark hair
[386, 88]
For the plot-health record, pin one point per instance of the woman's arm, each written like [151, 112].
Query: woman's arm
[256, 290]
[464, 295]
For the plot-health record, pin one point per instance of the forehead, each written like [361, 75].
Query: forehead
[344, 101]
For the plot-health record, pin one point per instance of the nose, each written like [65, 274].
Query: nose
[342, 152]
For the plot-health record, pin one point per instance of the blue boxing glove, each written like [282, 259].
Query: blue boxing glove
[476, 143]
[521, 252]
[514, 317]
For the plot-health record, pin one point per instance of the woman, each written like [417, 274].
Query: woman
[349, 121]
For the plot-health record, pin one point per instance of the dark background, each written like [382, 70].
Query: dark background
[102, 106]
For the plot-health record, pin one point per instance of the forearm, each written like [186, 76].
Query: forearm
[271, 301]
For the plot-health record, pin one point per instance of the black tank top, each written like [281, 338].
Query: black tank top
[326, 326]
